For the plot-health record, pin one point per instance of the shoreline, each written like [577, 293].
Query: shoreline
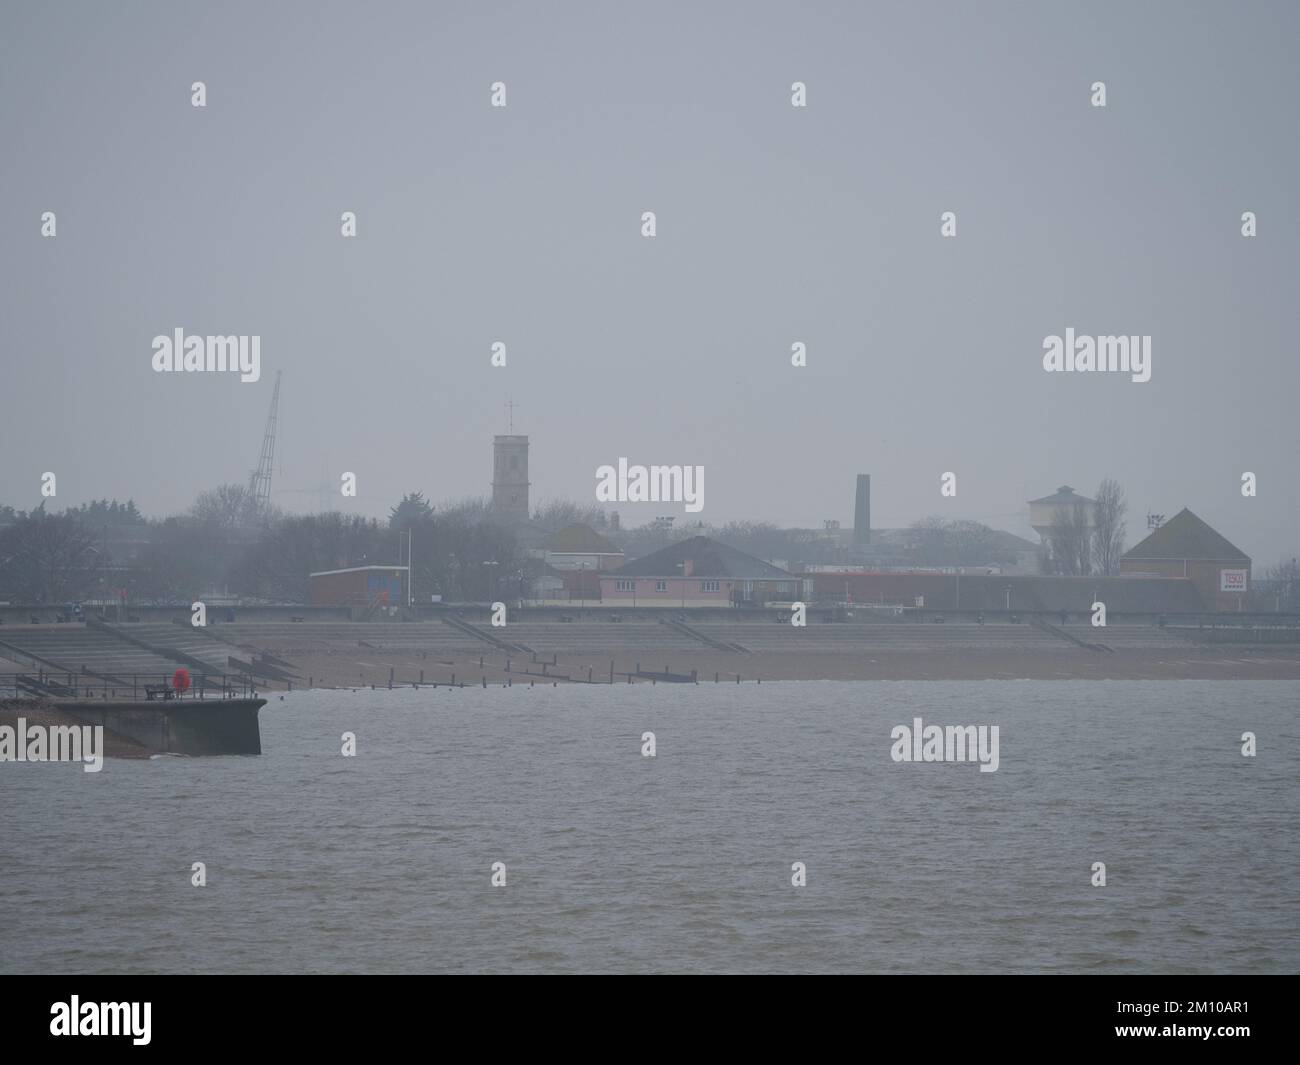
[344, 655]
[347, 670]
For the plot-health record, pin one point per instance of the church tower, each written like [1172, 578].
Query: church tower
[510, 477]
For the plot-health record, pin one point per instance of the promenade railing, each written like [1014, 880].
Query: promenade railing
[138, 687]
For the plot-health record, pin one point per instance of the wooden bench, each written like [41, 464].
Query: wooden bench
[158, 691]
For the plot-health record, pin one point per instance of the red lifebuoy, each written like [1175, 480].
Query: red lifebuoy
[181, 679]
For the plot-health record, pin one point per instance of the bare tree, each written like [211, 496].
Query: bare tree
[1108, 512]
[936, 541]
[228, 506]
[48, 558]
[1277, 588]
[554, 514]
[1069, 538]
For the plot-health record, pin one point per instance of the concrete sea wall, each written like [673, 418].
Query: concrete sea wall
[191, 726]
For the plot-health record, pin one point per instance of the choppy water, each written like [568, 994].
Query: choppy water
[382, 862]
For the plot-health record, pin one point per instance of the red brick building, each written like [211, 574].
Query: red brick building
[1186, 547]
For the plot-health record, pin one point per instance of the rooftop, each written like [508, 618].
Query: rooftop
[708, 558]
[1064, 494]
[580, 539]
[1185, 536]
[355, 569]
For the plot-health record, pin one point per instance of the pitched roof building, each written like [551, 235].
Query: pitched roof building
[1185, 546]
[699, 572]
[581, 547]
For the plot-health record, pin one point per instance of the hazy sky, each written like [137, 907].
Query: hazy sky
[775, 225]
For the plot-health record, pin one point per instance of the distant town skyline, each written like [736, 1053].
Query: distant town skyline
[777, 226]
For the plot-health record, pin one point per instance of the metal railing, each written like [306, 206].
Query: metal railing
[137, 687]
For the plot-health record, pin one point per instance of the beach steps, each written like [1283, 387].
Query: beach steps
[710, 641]
[876, 637]
[1078, 641]
[76, 648]
[181, 645]
[488, 636]
[601, 637]
[286, 639]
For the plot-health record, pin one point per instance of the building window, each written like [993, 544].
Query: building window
[661, 586]
[625, 586]
[708, 586]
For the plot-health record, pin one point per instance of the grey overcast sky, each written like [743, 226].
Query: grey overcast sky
[775, 225]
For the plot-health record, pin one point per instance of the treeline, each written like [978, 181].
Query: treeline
[225, 545]
[1087, 538]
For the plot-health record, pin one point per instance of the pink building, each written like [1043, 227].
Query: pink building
[698, 572]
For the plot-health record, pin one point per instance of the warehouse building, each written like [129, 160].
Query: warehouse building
[359, 586]
[1013, 594]
[1187, 547]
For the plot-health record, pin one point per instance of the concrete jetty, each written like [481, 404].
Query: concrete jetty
[179, 726]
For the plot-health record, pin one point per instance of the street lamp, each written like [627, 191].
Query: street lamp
[410, 573]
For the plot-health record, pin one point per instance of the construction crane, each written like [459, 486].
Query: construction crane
[259, 482]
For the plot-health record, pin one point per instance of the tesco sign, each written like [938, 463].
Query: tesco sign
[1232, 580]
